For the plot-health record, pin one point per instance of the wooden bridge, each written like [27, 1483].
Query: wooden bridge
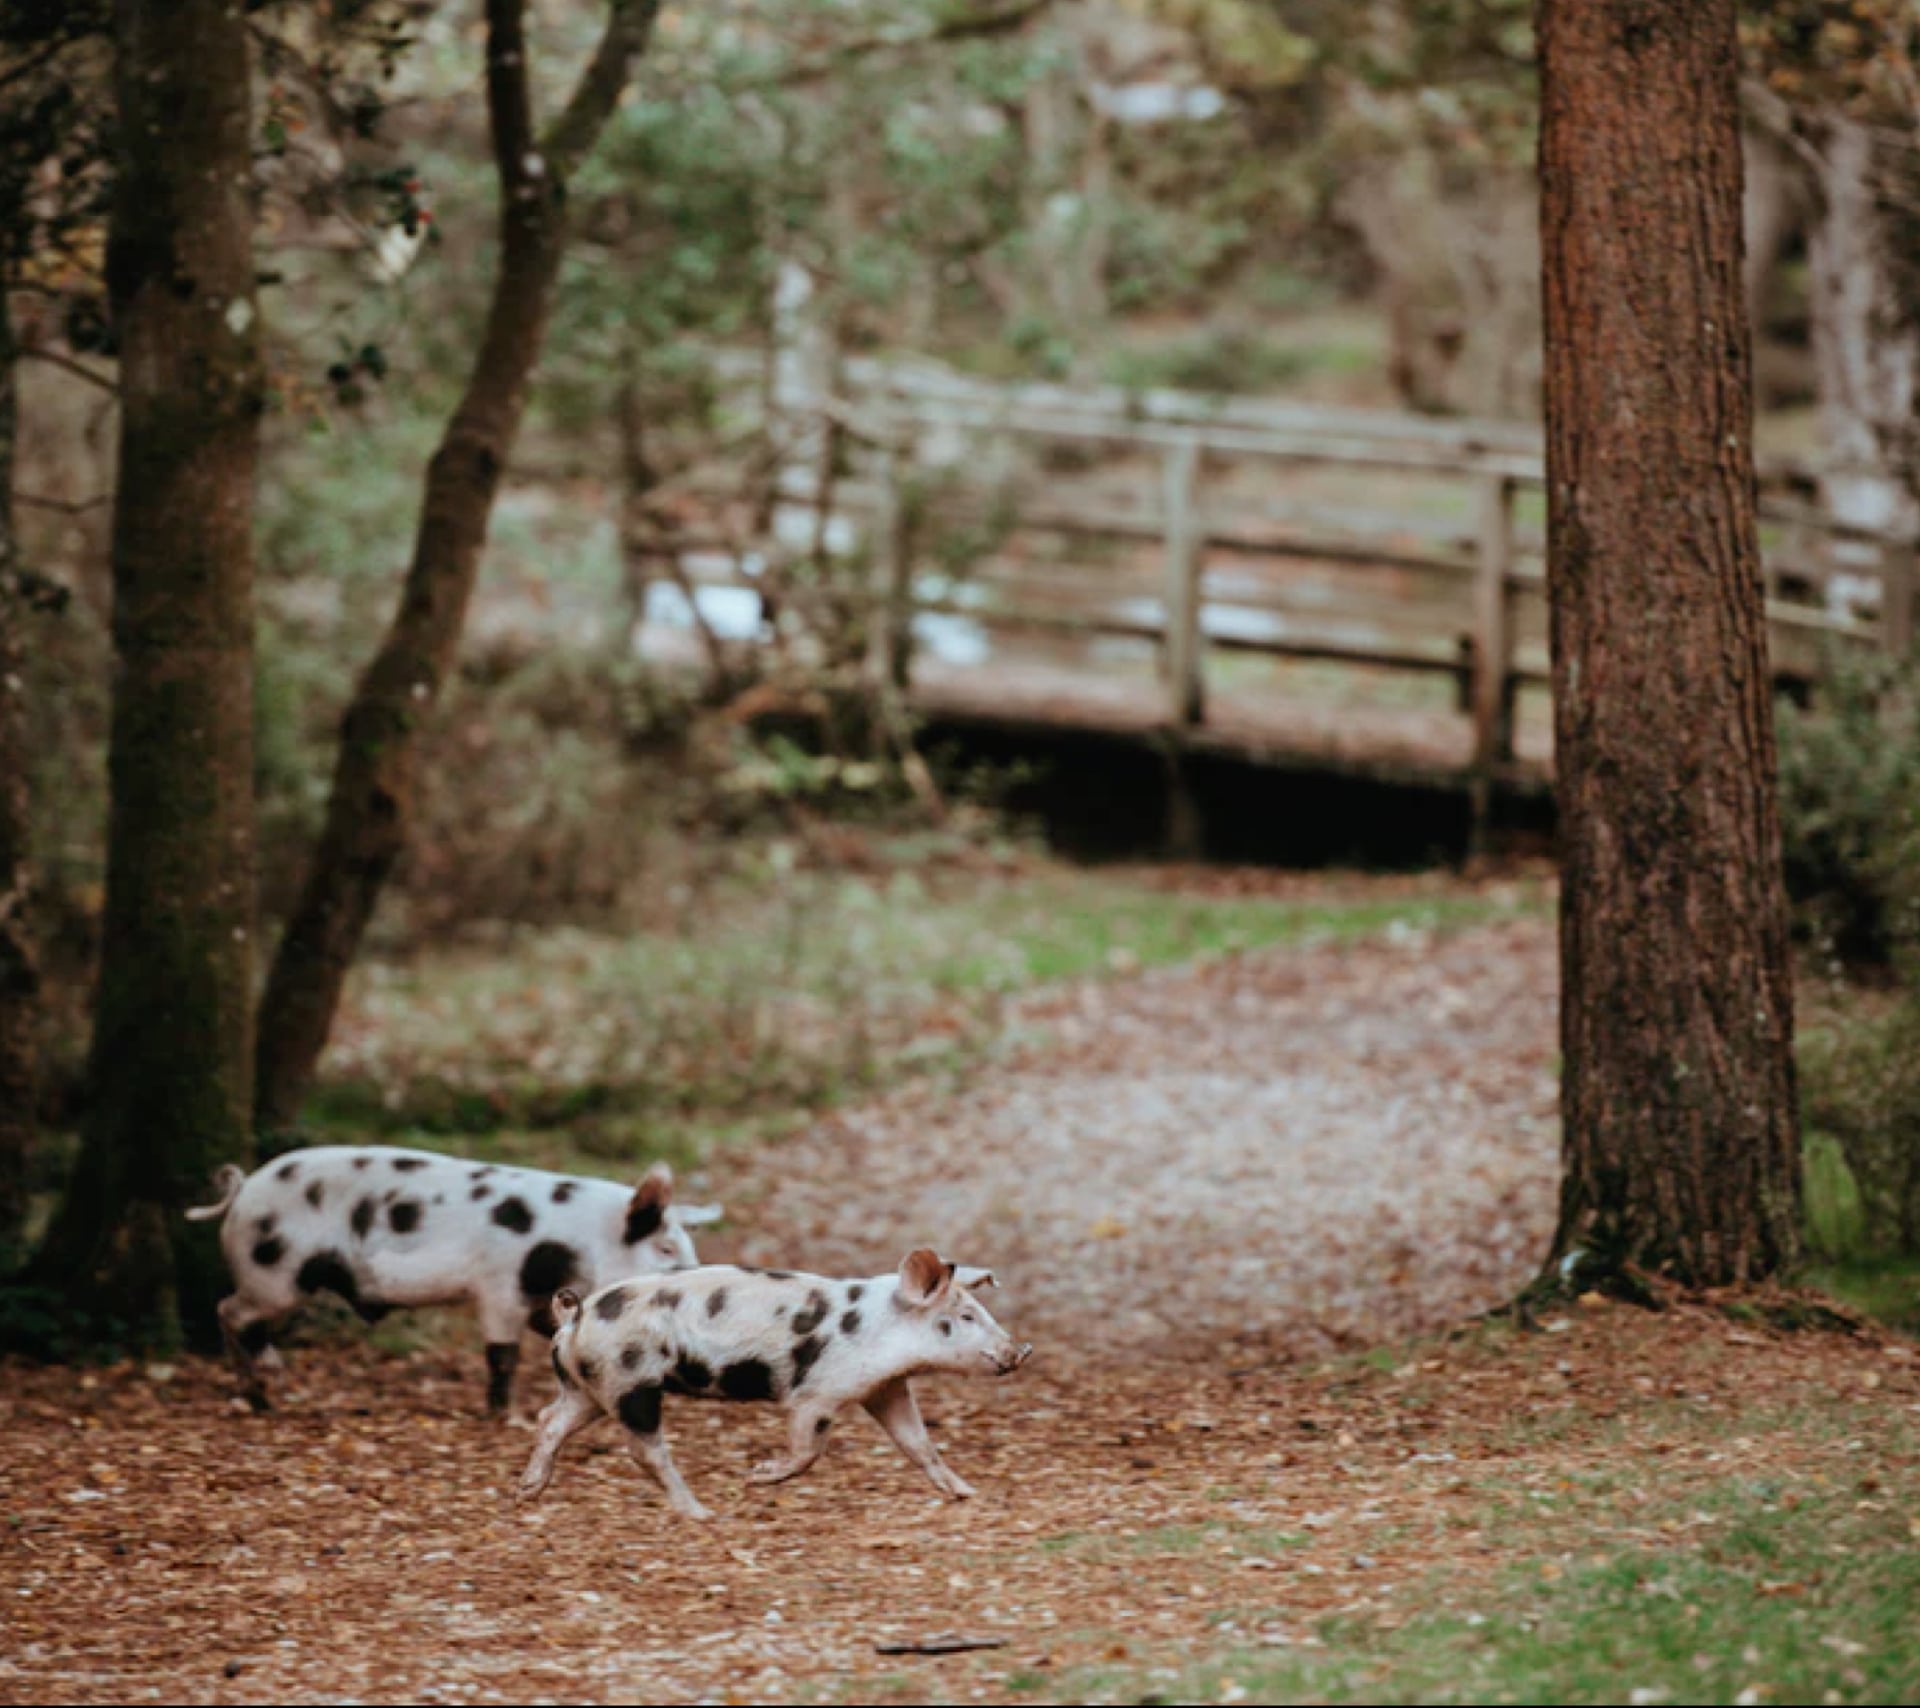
[1294, 586]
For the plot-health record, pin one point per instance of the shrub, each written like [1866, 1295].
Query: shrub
[1861, 1094]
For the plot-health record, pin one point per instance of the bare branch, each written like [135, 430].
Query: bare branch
[67, 364]
[990, 21]
[572, 135]
[65, 506]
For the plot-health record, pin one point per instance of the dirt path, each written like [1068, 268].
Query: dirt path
[1288, 1152]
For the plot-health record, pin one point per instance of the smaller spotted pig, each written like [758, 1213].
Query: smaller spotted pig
[387, 1228]
[810, 1345]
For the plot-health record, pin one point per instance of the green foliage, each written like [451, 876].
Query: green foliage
[1860, 1096]
[1850, 810]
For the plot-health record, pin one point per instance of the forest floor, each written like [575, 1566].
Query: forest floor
[1248, 1210]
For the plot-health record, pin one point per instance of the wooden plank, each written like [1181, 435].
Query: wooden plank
[1897, 570]
[1185, 549]
[1492, 741]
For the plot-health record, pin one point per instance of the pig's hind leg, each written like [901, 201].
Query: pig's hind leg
[245, 1326]
[898, 1413]
[501, 1320]
[639, 1410]
[570, 1412]
[807, 1440]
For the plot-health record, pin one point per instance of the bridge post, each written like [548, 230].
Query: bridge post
[1492, 655]
[1185, 548]
[1897, 572]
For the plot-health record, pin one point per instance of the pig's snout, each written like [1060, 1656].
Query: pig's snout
[1010, 1360]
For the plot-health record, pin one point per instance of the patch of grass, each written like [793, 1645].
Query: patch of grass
[1774, 1601]
[1886, 1289]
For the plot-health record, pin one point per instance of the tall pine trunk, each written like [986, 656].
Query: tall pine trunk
[19, 975]
[375, 775]
[1681, 1144]
[169, 1076]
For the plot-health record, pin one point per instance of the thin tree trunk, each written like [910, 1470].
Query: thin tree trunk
[19, 970]
[1681, 1144]
[169, 1076]
[376, 772]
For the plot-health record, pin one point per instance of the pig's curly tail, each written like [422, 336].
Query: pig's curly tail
[227, 1182]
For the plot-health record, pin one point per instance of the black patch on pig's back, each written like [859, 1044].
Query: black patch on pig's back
[363, 1217]
[287, 1170]
[689, 1375]
[563, 1191]
[750, 1379]
[805, 1355]
[316, 1194]
[404, 1217]
[665, 1299]
[513, 1215]
[850, 1324]
[854, 1292]
[407, 1164]
[639, 1409]
[268, 1252]
[716, 1301]
[610, 1304]
[548, 1268]
[806, 1321]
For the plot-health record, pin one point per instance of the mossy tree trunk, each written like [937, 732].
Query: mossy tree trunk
[1681, 1142]
[375, 774]
[19, 974]
[170, 1073]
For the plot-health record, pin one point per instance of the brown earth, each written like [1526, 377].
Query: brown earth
[1195, 1181]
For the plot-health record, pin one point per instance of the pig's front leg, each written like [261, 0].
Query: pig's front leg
[806, 1441]
[895, 1410]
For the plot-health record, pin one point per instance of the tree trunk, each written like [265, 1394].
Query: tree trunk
[375, 774]
[169, 1075]
[19, 970]
[1681, 1146]
[1863, 255]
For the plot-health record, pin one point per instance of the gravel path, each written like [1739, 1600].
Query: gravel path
[1277, 1154]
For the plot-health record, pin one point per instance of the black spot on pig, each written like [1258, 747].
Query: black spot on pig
[854, 1292]
[361, 1161]
[610, 1304]
[327, 1271]
[480, 1192]
[750, 1379]
[771, 1274]
[407, 1164]
[269, 1252]
[805, 1322]
[548, 1268]
[639, 1409]
[716, 1301]
[563, 1192]
[665, 1299]
[630, 1358]
[542, 1320]
[589, 1371]
[643, 1222]
[850, 1324]
[805, 1356]
[513, 1215]
[363, 1217]
[821, 1425]
[316, 1194]
[287, 1170]
[480, 1173]
[689, 1376]
[255, 1339]
[265, 1225]
[404, 1217]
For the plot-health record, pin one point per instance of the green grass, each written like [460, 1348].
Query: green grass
[1785, 1601]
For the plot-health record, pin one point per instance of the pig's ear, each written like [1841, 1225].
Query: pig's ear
[699, 1215]
[925, 1277]
[972, 1278]
[648, 1206]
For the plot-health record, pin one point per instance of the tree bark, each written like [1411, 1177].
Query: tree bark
[1681, 1146]
[19, 968]
[169, 1074]
[376, 771]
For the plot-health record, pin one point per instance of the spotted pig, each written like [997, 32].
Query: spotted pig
[810, 1345]
[386, 1228]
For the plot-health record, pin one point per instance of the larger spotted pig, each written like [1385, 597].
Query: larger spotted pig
[386, 1228]
[810, 1345]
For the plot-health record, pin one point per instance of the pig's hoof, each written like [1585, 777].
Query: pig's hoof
[957, 1487]
[770, 1471]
